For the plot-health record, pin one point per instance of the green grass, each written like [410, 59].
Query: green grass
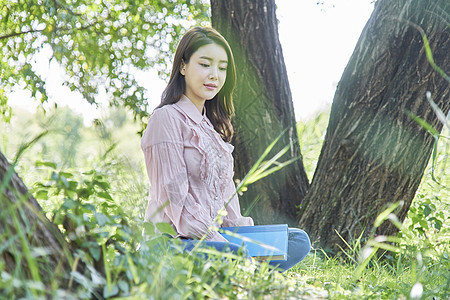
[101, 189]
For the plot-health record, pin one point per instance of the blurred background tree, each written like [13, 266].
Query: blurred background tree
[264, 109]
[100, 44]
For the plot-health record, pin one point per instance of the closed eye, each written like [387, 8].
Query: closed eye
[204, 65]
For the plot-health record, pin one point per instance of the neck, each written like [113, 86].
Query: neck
[199, 103]
[199, 106]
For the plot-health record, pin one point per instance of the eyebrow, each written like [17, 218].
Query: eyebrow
[210, 59]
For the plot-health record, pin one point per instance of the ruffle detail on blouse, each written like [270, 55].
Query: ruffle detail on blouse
[210, 160]
[198, 143]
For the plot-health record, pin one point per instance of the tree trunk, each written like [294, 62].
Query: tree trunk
[24, 230]
[264, 108]
[374, 153]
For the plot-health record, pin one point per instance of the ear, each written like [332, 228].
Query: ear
[183, 68]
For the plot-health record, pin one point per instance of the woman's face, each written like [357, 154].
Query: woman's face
[205, 74]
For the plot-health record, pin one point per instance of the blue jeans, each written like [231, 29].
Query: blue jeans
[298, 247]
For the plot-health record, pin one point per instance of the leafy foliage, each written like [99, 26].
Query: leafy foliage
[98, 43]
[93, 209]
[311, 135]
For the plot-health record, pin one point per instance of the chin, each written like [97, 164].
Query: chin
[209, 97]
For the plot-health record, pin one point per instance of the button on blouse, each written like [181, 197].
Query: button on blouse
[190, 169]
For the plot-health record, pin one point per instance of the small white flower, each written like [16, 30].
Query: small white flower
[416, 291]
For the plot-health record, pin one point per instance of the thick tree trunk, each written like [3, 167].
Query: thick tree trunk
[374, 153]
[264, 107]
[25, 229]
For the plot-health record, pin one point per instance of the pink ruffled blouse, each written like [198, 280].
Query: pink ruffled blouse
[191, 172]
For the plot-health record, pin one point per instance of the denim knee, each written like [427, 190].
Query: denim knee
[299, 244]
[298, 247]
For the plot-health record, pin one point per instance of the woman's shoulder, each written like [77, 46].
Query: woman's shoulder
[164, 125]
[166, 114]
[163, 111]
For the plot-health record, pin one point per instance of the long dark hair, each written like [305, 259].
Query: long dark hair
[219, 109]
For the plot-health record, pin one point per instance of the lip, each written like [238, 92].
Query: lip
[210, 86]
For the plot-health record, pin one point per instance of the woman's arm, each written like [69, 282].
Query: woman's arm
[234, 216]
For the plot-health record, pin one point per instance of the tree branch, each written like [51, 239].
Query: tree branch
[3, 37]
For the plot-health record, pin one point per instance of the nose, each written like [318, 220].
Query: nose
[213, 73]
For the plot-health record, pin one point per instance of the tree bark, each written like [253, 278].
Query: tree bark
[24, 227]
[264, 108]
[374, 153]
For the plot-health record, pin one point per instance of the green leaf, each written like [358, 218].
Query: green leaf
[102, 219]
[438, 224]
[84, 193]
[111, 291]
[69, 203]
[41, 194]
[149, 228]
[66, 174]
[123, 285]
[103, 184]
[423, 223]
[64, 181]
[90, 207]
[426, 210]
[89, 172]
[95, 252]
[54, 176]
[166, 228]
[73, 185]
[123, 235]
[46, 164]
[104, 195]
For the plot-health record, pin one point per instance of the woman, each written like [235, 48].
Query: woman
[186, 144]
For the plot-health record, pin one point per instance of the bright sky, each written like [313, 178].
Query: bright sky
[317, 42]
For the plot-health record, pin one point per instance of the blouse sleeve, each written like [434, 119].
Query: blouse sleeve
[234, 216]
[163, 149]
